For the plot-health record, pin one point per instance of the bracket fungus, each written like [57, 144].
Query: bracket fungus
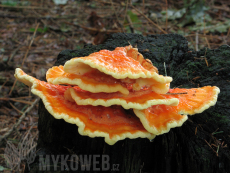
[116, 95]
[110, 71]
[141, 99]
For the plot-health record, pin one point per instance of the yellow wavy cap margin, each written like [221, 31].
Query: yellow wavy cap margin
[123, 62]
[142, 103]
[53, 110]
[56, 75]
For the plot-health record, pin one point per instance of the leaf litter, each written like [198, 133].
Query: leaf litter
[32, 34]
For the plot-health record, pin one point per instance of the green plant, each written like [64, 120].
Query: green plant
[41, 30]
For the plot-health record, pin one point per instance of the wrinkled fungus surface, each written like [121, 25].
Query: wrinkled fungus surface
[116, 95]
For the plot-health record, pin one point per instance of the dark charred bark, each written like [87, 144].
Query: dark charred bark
[184, 149]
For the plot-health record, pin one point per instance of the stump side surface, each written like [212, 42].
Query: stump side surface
[183, 149]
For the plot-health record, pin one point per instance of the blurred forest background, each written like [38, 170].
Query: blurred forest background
[33, 33]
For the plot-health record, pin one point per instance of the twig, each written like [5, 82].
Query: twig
[126, 7]
[37, 17]
[12, 88]
[19, 121]
[205, 35]
[104, 2]
[116, 16]
[4, 84]
[12, 54]
[99, 30]
[225, 8]
[149, 19]
[143, 2]
[15, 100]
[225, 38]
[23, 97]
[166, 22]
[165, 69]
[201, 35]
[176, 93]
[228, 32]
[5, 129]
[205, 57]
[20, 112]
[197, 40]
[215, 131]
[204, 26]
[130, 23]
[207, 42]
[24, 7]
[31, 42]
[211, 147]
[196, 130]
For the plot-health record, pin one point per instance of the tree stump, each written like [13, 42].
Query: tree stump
[198, 146]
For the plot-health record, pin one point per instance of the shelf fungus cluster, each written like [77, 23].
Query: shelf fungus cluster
[116, 95]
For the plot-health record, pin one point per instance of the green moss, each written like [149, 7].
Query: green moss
[205, 157]
[218, 118]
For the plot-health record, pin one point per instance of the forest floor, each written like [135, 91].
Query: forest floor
[33, 33]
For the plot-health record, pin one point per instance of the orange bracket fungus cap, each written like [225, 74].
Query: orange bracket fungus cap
[159, 119]
[113, 123]
[141, 99]
[194, 100]
[112, 81]
[91, 82]
[121, 67]
[120, 63]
